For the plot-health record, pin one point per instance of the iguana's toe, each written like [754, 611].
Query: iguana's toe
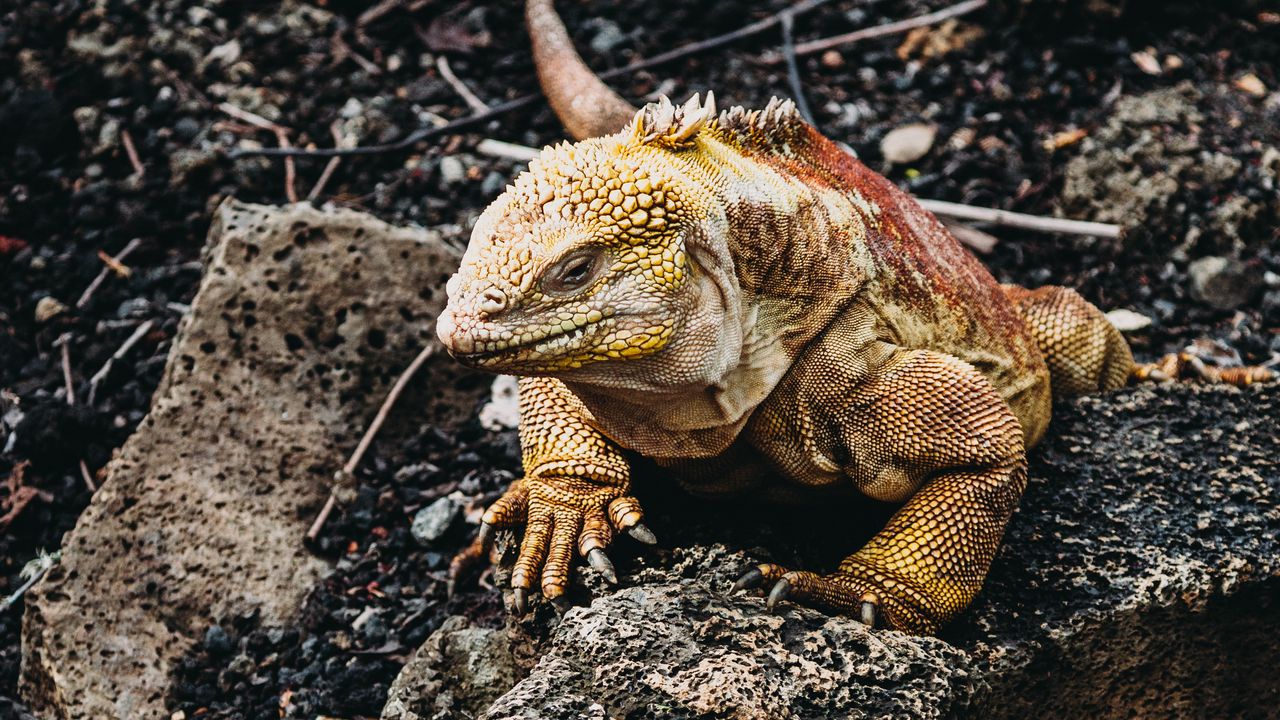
[872, 599]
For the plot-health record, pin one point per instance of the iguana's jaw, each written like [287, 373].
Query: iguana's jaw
[531, 347]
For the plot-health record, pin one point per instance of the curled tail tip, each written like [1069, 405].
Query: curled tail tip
[585, 105]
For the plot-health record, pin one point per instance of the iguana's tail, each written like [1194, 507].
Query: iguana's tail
[585, 105]
[1086, 354]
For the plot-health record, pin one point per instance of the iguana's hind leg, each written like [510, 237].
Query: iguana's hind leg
[914, 427]
[1084, 351]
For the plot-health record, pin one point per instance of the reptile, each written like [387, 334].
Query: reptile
[735, 297]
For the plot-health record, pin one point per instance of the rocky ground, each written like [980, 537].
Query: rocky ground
[1160, 116]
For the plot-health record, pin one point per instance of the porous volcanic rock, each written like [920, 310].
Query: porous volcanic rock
[303, 320]
[1140, 578]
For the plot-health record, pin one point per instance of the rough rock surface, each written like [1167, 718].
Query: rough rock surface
[1149, 158]
[203, 512]
[458, 668]
[1140, 578]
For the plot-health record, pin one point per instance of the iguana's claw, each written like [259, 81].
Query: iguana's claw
[869, 613]
[643, 534]
[780, 591]
[752, 578]
[850, 591]
[602, 565]
[561, 517]
[484, 538]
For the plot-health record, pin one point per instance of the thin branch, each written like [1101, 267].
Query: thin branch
[1020, 220]
[980, 242]
[118, 258]
[132, 152]
[353, 462]
[119, 354]
[506, 150]
[446, 72]
[46, 563]
[377, 11]
[65, 341]
[88, 477]
[290, 168]
[343, 51]
[115, 266]
[329, 167]
[453, 126]
[793, 67]
[893, 28]
[253, 119]
[282, 139]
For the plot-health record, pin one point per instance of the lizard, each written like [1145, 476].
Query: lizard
[739, 299]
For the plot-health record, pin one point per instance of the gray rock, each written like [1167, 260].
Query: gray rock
[1140, 578]
[458, 672]
[452, 171]
[433, 521]
[203, 512]
[1223, 283]
[607, 35]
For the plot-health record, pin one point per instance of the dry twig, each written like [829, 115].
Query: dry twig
[347, 472]
[329, 167]
[118, 261]
[342, 51]
[893, 28]
[377, 11]
[114, 265]
[477, 105]
[132, 151]
[506, 150]
[793, 67]
[1019, 220]
[119, 354]
[38, 567]
[64, 341]
[282, 138]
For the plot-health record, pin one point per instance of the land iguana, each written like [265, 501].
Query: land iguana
[741, 300]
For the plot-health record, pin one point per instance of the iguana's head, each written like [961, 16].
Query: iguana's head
[603, 256]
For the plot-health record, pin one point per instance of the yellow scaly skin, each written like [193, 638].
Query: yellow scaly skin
[739, 299]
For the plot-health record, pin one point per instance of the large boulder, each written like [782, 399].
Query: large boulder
[303, 320]
[1140, 578]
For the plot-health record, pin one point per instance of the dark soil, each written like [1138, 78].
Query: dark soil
[75, 75]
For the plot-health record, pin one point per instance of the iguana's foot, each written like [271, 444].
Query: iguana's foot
[870, 596]
[559, 515]
[1186, 366]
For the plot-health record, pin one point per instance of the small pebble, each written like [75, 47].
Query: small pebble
[434, 520]
[49, 307]
[908, 143]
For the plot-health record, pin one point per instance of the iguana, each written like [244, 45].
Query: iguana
[736, 297]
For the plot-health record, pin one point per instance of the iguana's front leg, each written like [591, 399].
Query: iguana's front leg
[924, 428]
[573, 495]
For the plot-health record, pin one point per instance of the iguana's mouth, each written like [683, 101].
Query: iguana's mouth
[546, 343]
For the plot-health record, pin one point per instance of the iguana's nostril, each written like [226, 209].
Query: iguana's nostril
[493, 301]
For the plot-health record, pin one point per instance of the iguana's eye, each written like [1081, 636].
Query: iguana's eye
[575, 271]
